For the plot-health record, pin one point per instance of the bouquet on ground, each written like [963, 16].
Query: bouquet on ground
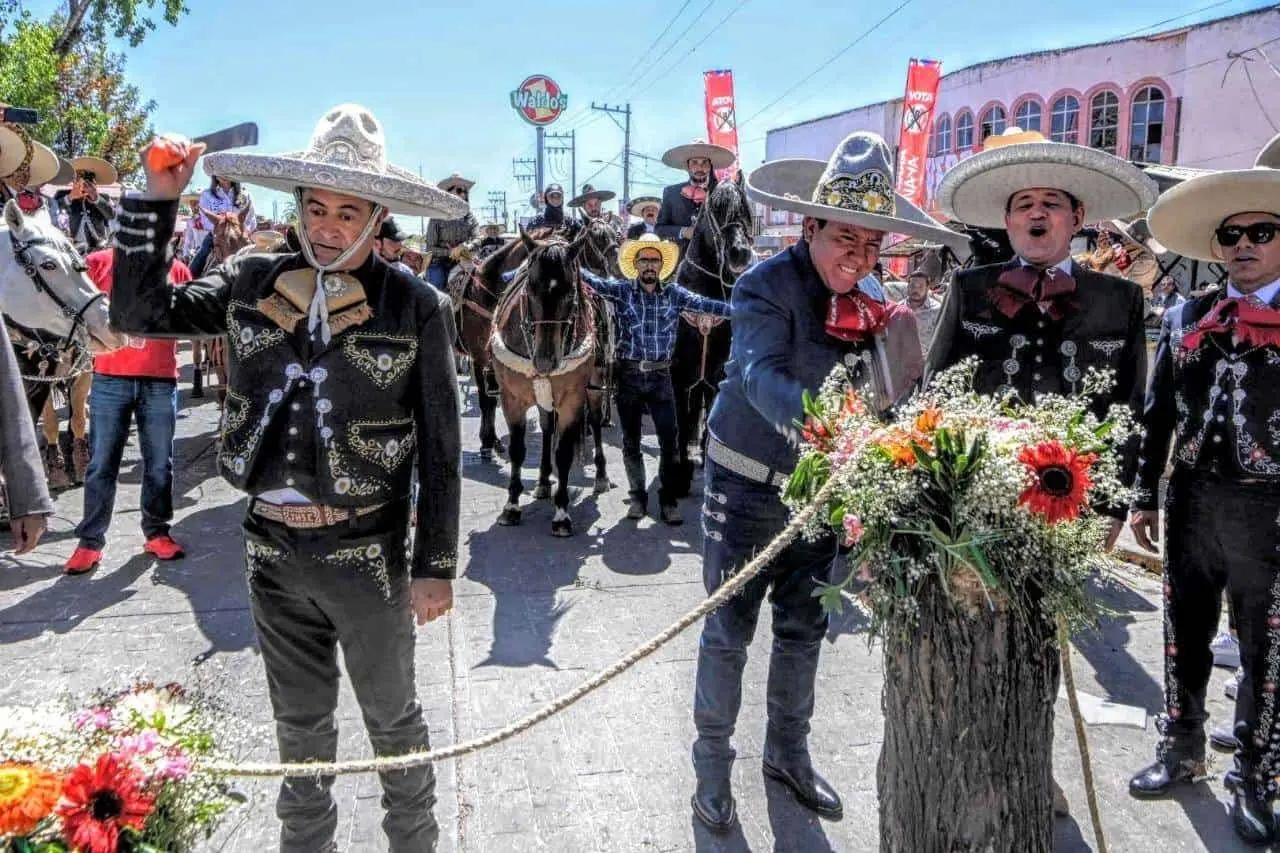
[980, 497]
[122, 775]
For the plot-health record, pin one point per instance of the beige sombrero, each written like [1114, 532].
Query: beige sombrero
[19, 152]
[1185, 217]
[103, 172]
[627, 255]
[638, 205]
[1269, 156]
[976, 190]
[348, 155]
[589, 191]
[456, 180]
[854, 187]
[66, 173]
[678, 157]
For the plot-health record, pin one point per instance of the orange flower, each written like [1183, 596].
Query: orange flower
[1061, 481]
[817, 433]
[897, 443]
[928, 420]
[853, 404]
[27, 796]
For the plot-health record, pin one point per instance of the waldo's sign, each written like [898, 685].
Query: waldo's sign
[539, 100]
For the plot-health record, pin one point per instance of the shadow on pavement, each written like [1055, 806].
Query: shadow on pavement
[794, 827]
[706, 841]
[1208, 816]
[1122, 678]
[62, 607]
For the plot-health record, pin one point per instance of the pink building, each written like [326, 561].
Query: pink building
[1153, 99]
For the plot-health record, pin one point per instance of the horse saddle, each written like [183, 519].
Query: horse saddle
[343, 294]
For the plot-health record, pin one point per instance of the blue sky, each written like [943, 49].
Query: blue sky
[438, 74]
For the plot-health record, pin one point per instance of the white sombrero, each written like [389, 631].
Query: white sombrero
[348, 155]
[456, 180]
[854, 187]
[1269, 156]
[66, 173]
[1186, 216]
[19, 152]
[638, 205]
[976, 190]
[678, 157]
[627, 255]
[103, 172]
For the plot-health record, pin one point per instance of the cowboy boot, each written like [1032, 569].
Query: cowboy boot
[55, 468]
[1179, 758]
[197, 383]
[80, 458]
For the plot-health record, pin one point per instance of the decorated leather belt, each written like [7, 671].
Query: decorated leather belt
[309, 516]
[645, 366]
[743, 465]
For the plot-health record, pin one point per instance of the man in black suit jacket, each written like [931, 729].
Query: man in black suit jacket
[682, 202]
[1039, 322]
[647, 208]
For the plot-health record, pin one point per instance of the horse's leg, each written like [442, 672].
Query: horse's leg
[596, 402]
[566, 449]
[547, 422]
[682, 476]
[197, 369]
[489, 441]
[79, 403]
[511, 512]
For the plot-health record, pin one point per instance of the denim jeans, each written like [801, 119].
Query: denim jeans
[312, 592]
[637, 392]
[438, 273]
[739, 518]
[202, 256]
[114, 404]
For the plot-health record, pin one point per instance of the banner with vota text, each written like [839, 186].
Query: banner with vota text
[923, 76]
[722, 120]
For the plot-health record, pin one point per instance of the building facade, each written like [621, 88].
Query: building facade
[1203, 96]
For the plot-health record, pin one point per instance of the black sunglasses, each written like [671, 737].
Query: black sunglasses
[1258, 233]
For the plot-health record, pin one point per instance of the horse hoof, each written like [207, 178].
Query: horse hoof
[542, 492]
[603, 484]
[562, 529]
[510, 517]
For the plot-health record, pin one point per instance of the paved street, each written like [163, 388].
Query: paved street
[535, 615]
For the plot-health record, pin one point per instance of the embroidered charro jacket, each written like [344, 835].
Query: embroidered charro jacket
[678, 212]
[1217, 406]
[1032, 353]
[341, 423]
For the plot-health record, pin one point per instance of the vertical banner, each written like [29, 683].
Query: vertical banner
[722, 120]
[923, 76]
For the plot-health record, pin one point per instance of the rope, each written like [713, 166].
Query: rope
[1086, 764]
[417, 759]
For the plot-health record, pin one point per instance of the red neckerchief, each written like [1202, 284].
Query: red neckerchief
[29, 201]
[1024, 285]
[1252, 323]
[855, 316]
[697, 195]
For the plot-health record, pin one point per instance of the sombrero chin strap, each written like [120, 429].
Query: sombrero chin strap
[318, 314]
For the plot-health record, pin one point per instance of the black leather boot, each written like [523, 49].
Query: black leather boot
[197, 383]
[1251, 814]
[713, 803]
[811, 790]
[1179, 758]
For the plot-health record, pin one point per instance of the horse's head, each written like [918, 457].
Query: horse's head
[722, 232]
[553, 295]
[229, 234]
[44, 284]
[600, 254]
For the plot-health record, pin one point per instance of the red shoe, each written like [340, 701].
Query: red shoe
[82, 560]
[163, 547]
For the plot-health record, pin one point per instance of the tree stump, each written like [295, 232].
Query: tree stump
[968, 733]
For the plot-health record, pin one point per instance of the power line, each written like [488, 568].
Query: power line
[657, 60]
[1175, 18]
[648, 49]
[674, 65]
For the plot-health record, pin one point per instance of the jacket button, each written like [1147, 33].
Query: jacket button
[290, 456]
[293, 430]
[295, 406]
[289, 481]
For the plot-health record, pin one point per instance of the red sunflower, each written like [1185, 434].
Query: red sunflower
[99, 801]
[1061, 480]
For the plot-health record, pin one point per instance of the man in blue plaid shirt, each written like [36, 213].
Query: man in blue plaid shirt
[647, 313]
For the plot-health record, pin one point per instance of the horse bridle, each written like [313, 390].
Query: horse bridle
[718, 241]
[79, 332]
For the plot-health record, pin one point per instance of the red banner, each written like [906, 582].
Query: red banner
[918, 104]
[722, 120]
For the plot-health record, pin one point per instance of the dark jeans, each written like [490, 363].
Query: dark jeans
[1222, 534]
[636, 393]
[739, 518]
[202, 255]
[438, 273]
[312, 591]
[114, 404]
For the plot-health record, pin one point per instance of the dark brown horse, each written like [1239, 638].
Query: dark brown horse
[229, 237]
[545, 345]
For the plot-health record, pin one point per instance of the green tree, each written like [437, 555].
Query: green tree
[99, 20]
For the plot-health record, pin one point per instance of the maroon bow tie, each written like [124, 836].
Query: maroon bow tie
[1024, 285]
[697, 195]
[1253, 323]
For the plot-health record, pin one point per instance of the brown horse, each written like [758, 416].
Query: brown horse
[229, 237]
[545, 343]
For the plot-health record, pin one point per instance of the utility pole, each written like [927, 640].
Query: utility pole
[613, 112]
[542, 157]
[498, 198]
[525, 171]
[572, 148]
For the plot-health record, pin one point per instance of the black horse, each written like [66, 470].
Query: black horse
[719, 252]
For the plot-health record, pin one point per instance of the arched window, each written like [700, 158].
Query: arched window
[993, 122]
[1027, 116]
[1064, 121]
[1146, 125]
[964, 131]
[1104, 122]
[941, 141]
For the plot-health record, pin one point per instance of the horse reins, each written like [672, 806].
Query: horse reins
[79, 331]
[705, 325]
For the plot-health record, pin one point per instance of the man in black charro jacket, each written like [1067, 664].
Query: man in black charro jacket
[1215, 401]
[340, 377]
[1039, 322]
[682, 202]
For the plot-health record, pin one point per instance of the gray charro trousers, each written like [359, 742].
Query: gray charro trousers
[312, 591]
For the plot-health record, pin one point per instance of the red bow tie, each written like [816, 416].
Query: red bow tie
[855, 316]
[1023, 285]
[1253, 323]
[695, 194]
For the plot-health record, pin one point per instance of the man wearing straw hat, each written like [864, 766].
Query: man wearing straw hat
[25, 166]
[647, 208]
[681, 202]
[1213, 401]
[796, 317]
[444, 237]
[340, 377]
[89, 212]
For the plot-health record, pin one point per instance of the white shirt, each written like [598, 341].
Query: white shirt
[1263, 294]
[218, 200]
[1064, 264]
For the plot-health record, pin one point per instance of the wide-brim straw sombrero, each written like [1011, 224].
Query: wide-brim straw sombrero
[589, 191]
[976, 190]
[1185, 217]
[456, 180]
[1269, 156]
[678, 157]
[627, 255]
[103, 172]
[18, 151]
[638, 205]
[347, 155]
[66, 173]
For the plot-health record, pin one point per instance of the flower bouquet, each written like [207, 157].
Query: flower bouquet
[121, 775]
[969, 523]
